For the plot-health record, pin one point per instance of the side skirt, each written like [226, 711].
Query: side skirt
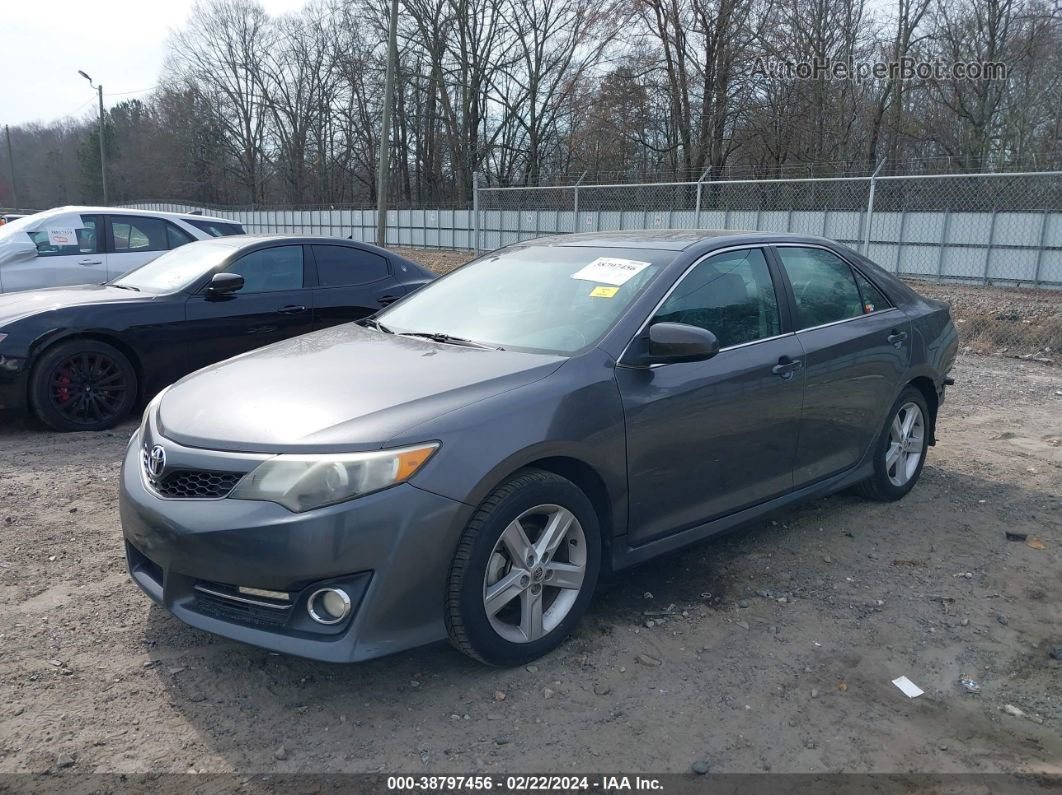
[624, 556]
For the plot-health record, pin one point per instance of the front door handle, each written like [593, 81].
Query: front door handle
[293, 309]
[897, 337]
[384, 300]
[90, 262]
[786, 367]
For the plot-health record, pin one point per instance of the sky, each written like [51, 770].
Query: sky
[119, 43]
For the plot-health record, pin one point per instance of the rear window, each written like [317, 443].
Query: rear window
[215, 228]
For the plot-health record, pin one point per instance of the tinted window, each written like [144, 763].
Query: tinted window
[55, 243]
[730, 295]
[215, 228]
[823, 286]
[339, 266]
[177, 236]
[270, 270]
[133, 233]
[873, 299]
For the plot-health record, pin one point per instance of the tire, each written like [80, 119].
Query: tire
[82, 385]
[895, 475]
[536, 502]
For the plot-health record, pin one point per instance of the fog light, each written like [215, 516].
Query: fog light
[328, 605]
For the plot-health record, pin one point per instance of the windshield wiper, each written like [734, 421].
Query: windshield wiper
[371, 321]
[438, 336]
[122, 286]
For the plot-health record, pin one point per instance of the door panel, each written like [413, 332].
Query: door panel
[854, 374]
[708, 438]
[273, 305]
[855, 357]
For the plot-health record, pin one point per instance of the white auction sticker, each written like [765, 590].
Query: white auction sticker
[62, 237]
[611, 270]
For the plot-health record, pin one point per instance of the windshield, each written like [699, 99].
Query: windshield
[178, 269]
[556, 299]
[12, 228]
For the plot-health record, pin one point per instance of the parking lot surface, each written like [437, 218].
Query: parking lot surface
[773, 648]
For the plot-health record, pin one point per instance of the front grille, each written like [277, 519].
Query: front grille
[191, 483]
[187, 483]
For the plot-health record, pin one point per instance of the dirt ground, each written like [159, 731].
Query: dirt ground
[773, 648]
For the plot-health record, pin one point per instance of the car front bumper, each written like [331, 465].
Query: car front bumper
[390, 551]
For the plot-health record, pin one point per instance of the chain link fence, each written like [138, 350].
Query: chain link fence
[990, 244]
[979, 242]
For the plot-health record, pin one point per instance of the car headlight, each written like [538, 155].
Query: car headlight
[303, 482]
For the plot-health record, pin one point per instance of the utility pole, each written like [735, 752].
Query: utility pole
[11, 168]
[385, 128]
[103, 156]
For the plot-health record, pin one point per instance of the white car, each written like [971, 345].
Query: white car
[91, 245]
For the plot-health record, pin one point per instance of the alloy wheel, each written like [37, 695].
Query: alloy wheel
[535, 573]
[906, 444]
[87, 388]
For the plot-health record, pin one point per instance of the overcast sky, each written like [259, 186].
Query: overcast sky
[119, 43]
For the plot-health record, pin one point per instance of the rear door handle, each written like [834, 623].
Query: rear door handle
[384, 300]
[293, 309]
[897, 337]
[786, 367]
[90, 262]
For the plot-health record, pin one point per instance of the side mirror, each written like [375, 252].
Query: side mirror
[224, 284]
[680, 342]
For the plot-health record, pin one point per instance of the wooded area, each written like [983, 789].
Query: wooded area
[260, 110]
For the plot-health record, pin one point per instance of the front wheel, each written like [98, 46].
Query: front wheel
[83, 385]
[900, 451]
[524, 571]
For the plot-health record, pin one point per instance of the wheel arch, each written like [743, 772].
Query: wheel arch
[925, 385]
[586, 477]
[43, 346]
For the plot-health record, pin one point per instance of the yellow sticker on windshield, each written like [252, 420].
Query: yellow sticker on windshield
[603, 292]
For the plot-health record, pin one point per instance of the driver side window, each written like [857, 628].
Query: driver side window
[270, 270]
[50, 243]
[730, 294]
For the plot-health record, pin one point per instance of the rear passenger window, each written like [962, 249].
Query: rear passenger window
[873, 299]
[343, 266]
[138, 234]
[823, 286]
[177, 236]
[730, 295]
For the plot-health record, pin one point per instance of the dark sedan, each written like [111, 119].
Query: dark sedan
[547, 411]
[81, 357]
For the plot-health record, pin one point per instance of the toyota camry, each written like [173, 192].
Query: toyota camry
[467, 462]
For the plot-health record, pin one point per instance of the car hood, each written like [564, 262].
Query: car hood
[344, 388]
[31, 302]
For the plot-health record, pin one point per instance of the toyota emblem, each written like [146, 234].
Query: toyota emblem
[156, 461]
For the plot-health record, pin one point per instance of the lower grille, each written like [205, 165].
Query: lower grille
[215, 600]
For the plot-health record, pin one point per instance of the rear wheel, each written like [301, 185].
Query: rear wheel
[900, 451]
[83, 385]
[524, 571]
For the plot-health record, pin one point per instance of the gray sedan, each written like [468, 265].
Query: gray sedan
[468, 462]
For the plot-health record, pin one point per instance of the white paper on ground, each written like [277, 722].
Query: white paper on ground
[611, 270]
[909, 688]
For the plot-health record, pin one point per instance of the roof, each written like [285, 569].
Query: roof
[134, 211]
[665, 239]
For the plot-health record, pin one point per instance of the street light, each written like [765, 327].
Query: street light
[103, 157]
